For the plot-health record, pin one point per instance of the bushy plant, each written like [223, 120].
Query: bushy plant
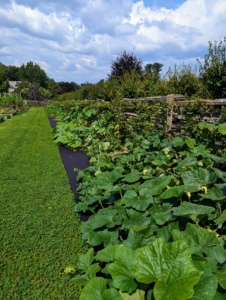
[183, 80]
[213, 70]
[44, 93]
[10, 99]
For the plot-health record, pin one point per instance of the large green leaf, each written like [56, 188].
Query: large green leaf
[157, 185]
[204, 125]
[90, 273]
[190, 142]
[132, 177]
[107, 237]
[139, 237]
[135, 218]
[219, 296]
[137, 295]
[192, 210]
[216, 158]
[161, 213]
[217, 252]
[201, 236]
[107, 254]
[107, 177]
[184, 236]
[105, 217]
[94, 289]
[215, 194]
[222, 129]
[139, 202]
[207, 285]
[220, 174]
[111, 294]
[178, 141]
[221, 276]
[221, 219]
[85, 260]
[196, 177]
[187, 162]
[121, 270]
[171, 192]
[170, 266]
[165, 232]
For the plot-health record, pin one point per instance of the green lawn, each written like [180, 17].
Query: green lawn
[39, 233]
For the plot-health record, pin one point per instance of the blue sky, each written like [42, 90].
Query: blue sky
[169, 4]
[76, 40]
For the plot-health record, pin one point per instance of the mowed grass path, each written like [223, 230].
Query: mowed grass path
[39, 233]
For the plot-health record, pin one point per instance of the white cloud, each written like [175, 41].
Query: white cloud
[76, 40]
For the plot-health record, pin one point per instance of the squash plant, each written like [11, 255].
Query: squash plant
[159, 212]
[157, 224]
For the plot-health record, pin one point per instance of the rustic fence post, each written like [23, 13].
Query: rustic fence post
[170, 104]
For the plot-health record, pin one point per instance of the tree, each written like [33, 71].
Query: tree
[33, 73]
[153, 70]
[66, 87]
[3, 73]
[125, 62]
[4, 86]
[76, 85]
[53, 88]
[34, 93]
[23, 88]
[12, 73]
[213, 71]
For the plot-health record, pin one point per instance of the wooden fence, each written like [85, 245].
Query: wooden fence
[175, 101]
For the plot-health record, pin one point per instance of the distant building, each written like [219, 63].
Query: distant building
[12, 86]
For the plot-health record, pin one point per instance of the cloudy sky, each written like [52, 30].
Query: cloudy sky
[76, 40]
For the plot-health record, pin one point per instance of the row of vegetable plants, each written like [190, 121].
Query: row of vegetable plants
[156, 201]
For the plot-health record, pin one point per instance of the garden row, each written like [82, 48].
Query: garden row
[156, 200]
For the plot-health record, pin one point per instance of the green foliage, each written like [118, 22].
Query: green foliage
[32, 73]
[44, 93]
[4, 81]
[4, 86]
[157, 205]
[131, 84]
[53, 88]
[213, 70]
[183, 80]
[153, 70]
[23, 88]
[10, 99]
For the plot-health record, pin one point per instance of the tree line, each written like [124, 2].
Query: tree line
[128, 78]
[29, 74]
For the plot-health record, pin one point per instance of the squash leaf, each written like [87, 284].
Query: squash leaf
[161, 263]
[121, 270]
